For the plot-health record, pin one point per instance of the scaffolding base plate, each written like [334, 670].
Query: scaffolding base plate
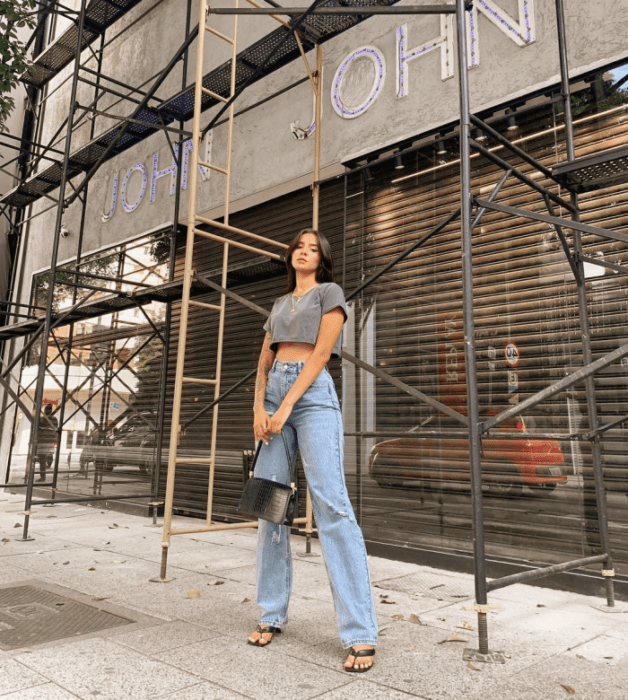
[606, 609]
[24, 539]
[493, 657]
[158, 579]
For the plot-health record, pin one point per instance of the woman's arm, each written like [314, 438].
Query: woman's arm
[330, 328]
[260, 417]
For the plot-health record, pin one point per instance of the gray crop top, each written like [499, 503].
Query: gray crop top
[297, 319]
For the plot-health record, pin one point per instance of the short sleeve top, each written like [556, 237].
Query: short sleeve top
[297, 319]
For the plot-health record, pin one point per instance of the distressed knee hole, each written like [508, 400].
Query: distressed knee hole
[276, 537]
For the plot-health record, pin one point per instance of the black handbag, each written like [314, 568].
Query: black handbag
[269, 500]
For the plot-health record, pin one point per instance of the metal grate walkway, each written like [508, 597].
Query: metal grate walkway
[314, 29]
[99, 16]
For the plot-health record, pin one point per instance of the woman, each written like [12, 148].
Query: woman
[295, 394]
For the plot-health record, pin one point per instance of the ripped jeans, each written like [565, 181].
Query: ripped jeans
[315, 428]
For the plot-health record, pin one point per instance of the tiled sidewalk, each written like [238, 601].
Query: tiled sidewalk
[187, 640]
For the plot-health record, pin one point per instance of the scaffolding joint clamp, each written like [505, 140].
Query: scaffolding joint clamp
[608, 572]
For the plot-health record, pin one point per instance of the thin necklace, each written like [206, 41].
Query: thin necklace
[294, 299]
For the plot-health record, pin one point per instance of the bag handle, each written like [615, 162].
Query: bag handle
[293, 477]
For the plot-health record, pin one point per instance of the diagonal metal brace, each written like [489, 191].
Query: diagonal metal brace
[574, 378]
[351, 358]
[554, 220]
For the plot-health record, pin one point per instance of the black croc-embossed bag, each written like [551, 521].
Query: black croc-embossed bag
[267, 499]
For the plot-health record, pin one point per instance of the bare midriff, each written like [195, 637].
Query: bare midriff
[294, 352]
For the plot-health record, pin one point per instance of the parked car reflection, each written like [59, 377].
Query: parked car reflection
[508, 464]
[130, 444]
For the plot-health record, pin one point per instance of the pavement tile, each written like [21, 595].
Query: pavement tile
[161, 638]
[70, 557]
[410, 659]
[604, 649]
[258, 673]
[112, 574]
[209, 558]
[11, 574]
[547, 681]
[107, 670]
[365, 690]
[204, 691]
[11, 543]
[15, 676]
[48, 691]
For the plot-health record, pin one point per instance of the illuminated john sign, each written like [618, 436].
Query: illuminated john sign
[360, 77]
[157, 174]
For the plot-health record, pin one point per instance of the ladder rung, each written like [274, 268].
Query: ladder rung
[220, 35]
[215, 95]
[197, 380]
[203, 305]
[193, 460]
[240, 231]
[217, 168]
[243, 246]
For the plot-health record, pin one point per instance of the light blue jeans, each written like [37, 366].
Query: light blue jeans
[315, 429]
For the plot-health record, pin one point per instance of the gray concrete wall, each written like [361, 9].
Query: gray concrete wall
[266, 157]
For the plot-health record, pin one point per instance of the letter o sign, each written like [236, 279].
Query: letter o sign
[134, 168]
[356, 85]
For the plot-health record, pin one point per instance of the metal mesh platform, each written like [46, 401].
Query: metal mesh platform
[594, 172]
[168, 292]
[99, 15]
[281, 44]
[31, 615]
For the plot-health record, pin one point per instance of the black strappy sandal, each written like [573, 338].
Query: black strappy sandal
[357, 654]
[264, 629]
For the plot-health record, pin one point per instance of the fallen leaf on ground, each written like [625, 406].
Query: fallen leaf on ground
[388, 602]
[438, 585]
[569, 689]
[5, 539]
[17, 525]
[193, 593]
[579, 656]
[472, 667]
[608, 657]
[217, 582]
[415, 618]
[381, 595]
[92, 568]
[51, 516]
[454, 638]
[464, 625]
[540, 605]
[65, 563]
[397, 617]
[246, 600]
[411, 647]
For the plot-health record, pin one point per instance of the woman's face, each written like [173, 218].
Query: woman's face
[306, 256]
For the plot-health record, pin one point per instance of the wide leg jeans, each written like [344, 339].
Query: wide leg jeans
[315, 429]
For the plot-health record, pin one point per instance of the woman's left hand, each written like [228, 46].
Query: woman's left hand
[279, 418]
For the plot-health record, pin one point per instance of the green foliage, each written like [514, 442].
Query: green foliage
[14, 14]
[62, 292]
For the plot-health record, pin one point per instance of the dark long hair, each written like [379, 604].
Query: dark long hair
[325, 271]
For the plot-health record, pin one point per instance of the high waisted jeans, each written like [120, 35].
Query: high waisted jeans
[315, 428]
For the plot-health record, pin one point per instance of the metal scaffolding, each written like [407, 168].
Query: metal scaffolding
[302, 32]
